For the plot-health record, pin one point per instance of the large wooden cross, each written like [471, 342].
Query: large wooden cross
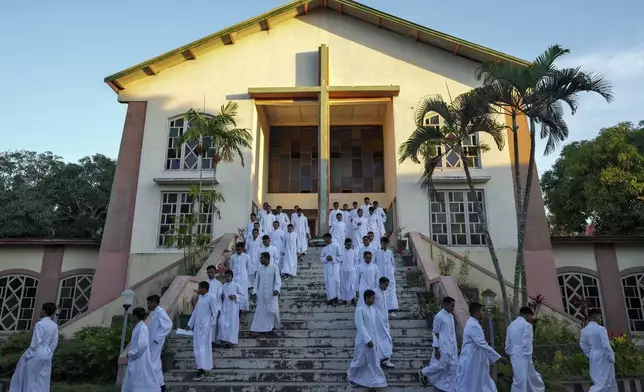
[324, 94]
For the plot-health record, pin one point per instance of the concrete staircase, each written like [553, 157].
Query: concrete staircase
[312, 350]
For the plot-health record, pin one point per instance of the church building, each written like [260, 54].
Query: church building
[327, 89]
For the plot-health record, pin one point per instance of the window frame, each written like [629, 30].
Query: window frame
[448, 222]
[21, 299]
[639, 276]
[210, 214]
[566, 301]
[75, 287]
[182, 153]
[478, 164]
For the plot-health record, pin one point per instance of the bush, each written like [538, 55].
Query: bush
[91, 356]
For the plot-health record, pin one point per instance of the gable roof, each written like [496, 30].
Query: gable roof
[266, 21]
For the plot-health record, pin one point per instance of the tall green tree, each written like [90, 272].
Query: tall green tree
[599, 181]
[469, 114]
[45, 197]
[539, 92]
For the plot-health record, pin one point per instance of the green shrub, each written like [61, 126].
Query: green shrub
[11, 349]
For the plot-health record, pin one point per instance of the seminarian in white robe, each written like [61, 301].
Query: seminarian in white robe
[441, 373]
[595, 344]
[240, 264]
[474, 362]
[140, 375]
[331, 257]
[289, 253]
[228, 331]
[383, 333]
[215, 291]
[360, 230]
[339, 232]
[384, 259]
[249, 227]
[365, 209]
[375, 225]
[276, 256]
[266, 222]
[366, 279]
[252, 249]
[332, 218]
[33, 371]
[277, 240]
[159, 328]
[202, 321]
[365, 369]
[301, 227]
[267, 311]
[283, 219]
[518, 345]
[348, 270]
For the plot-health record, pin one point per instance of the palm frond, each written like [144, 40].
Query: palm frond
[553, 126]
[566, 83]
[544, 63]
[431, 103]
[420, 144]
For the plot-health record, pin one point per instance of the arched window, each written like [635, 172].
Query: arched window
[579, 292]
[17, 301]
[73, 296]
[186, 157]
[633, 287]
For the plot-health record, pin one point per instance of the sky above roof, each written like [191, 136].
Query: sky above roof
[56, 55]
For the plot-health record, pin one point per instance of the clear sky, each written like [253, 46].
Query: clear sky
[55, 55]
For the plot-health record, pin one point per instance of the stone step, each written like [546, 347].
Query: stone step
[192, 386]
[301, 293]
[321, 306]
[320, 302]
[326, 316]
[280, 376]
[295, 284]
[320, 333]
[178, 344]
[246, 353]
[343, 324]
[287, 364]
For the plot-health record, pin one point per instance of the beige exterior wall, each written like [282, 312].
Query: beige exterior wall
[360, 54]
[142, 265]
[79, 258]
[575, 256]
[629, 256]
[27, 258]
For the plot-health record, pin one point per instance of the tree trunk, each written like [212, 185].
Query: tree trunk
[488, 241]
[519, 206]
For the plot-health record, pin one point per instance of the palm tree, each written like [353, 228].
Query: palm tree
[469, 114]
[537, 91]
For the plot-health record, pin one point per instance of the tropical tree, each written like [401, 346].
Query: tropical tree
[210, 136]
[537, 91]
[469, 114]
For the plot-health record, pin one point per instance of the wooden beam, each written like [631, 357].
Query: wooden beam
[417, 35]
[228, 39]
[284, 92]
[265, 25]
[458, 46]
[324, 66]
[113, 87]
[324, 4]
[188, 55]
[149, 70]
[340, 9]
[359, 101]
[306, 9]
[286, 102]
[363, 91]
[379, 22]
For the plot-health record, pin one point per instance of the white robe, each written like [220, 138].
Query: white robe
[249, 229]
[249, 235]
[277, 240]
[275, 255]
[331, 270]
[267, 311]
[348, 274]
[383, 333]
[381, 213]
[266, 222]
[215, 291]
[301, 227]
[595, 344]
[229, 318]
[140, 375]
[240, 264]
[375, 225]
[366, 279]
[387, 268]
[359, 226]
[282, 218]
[442, 372]
[332, 218]
[202, 322]
[474, 362]
[363, 249]
[159, 328]
[33, 371]
[252, 249]
[518, 345]
[339, 232]
[365, 369]
[289, 253]
[365, 209]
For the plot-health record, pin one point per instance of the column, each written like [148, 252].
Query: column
[610, 284]
[323, 143]
[52, 262]
[111, 270]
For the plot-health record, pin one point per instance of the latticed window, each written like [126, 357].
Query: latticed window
[176, 208]
[453, 158]
[454, 220]
[17, 301]
[186, 157]
[579, 292]
[73, 296]
[633, 286]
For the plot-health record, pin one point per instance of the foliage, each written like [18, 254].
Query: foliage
[45, 197]
[599, 181]
[429, 304]
[414, 278]
[445, 265]
[90, 356]
[400, 235]
[464, 270]
[468, 115]
[537, 91]
[535, 304]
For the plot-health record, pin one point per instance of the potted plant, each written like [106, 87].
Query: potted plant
[402, 238]
[535, 306]
[189, 303]
[167, 358]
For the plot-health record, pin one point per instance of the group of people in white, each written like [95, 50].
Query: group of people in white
[449, 371]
